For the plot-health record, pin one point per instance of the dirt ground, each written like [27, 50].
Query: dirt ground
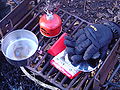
[93, 11]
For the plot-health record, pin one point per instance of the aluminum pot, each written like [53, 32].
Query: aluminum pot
[19, 47]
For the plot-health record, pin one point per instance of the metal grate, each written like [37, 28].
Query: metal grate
[29, 20]
[107, 68]
[41, 65]
[114, 80]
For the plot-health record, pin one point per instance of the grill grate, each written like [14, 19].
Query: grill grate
[107, 68]
[42, 65]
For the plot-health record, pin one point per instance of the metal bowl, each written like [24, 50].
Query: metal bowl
[19, 47]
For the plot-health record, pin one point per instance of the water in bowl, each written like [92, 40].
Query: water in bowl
[21, 49]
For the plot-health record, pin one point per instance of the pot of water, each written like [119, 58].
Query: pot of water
[19, 47]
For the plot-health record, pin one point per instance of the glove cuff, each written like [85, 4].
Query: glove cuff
[99, 34]
[115, 28]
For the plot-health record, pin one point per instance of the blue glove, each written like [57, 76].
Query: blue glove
[90, 40]
[114, 27]
[70, 42]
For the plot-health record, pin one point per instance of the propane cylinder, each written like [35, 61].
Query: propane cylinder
[50, 25]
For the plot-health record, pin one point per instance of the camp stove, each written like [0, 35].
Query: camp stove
[28, 19]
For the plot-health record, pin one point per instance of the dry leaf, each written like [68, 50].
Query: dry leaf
[110, 11]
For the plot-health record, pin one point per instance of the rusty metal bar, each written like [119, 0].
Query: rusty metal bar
[46, 44]
[66, 21]
[89, 86]
[37, 33]
[64, 79]
[72, 23]
[34, 18]
[57, 76]
[41, 60]
[72, 82]
[116, 70]
[76, 28]
[62, 15]
[35, 27]
[46, 65]
[108, 65]
[27, 15]
[16, 14]
[41, 39]
[51, 71]
[82, 82]
[111, 77]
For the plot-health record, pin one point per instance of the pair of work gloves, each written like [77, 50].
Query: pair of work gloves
[94, 39]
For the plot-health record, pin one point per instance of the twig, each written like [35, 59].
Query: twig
[115, 5]
[1, 34]
[85, 5]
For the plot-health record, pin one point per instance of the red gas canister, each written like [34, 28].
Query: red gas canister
[50, 25]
